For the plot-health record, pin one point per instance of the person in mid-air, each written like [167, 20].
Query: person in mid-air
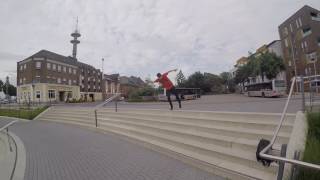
[168, 85]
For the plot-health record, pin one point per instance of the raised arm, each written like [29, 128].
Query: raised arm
[173, 70]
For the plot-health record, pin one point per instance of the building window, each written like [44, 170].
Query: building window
[70, 70]
[300, 22]
[51, 94]
[38, 65]
[69, 82]
[74, 71]
[59, 68]
[291, 29]
[38, 94]
[74, 81]
[48, 66]
[297, 23]
[24, 80]
[305, 45]
[289, 63]
[318, 41]
[20, 81]
[64, 69]
[54, 67]
[306, 31]
[59, 80]
[285, 31]
[21, 67]
[25, 66]
[315, 16]
[286, 42]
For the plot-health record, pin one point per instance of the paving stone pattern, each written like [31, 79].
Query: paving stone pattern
[67, 152]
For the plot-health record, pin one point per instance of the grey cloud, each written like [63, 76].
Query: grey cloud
[141, 37]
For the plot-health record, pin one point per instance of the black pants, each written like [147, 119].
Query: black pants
[173, 91]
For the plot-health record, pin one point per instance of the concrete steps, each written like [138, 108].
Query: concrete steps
[225, 141]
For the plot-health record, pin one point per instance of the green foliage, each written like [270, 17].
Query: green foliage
[312, 149]
[22, 113]
[12, 90]
[8, 88]
[136, 94]
[180, 79]
[267, 64]
[207, 82]
[1, 85]
[271, 65]
[228, 82]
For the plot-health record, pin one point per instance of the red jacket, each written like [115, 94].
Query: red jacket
[165, 81]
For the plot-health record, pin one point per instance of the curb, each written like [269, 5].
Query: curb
[39, 115]
[21, 158]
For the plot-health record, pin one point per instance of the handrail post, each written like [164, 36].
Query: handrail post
[96, 117]
[116, 103]
[7, 130]
[302, 94]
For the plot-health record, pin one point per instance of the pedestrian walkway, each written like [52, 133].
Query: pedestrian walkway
[68, 152]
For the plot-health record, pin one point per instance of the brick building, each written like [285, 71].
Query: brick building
[47, 76]
[300, 39]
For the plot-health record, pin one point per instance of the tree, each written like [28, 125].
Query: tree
[212, 83]
[1, 85]
[266, 65]
[271, 65]
[8, 88]
[226, 78]
[180, 79]
[149, 82]
[207, 82]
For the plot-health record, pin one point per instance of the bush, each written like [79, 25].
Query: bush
[312, 149]
[136, 94]
[22, 113]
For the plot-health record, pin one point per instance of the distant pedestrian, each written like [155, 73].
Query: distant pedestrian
[168, 85]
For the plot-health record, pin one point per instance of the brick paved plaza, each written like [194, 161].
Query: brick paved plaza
[67, 152]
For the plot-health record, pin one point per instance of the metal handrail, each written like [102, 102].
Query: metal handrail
[116, 95]
[7, 125]
[267, 148]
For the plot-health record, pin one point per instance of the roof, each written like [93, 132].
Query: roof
[275, 41]
[60, 58]
[305, 7]
[132, 81]
[54, 56]
[111, 77]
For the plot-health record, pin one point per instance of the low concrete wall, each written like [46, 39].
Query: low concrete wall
[297, 140]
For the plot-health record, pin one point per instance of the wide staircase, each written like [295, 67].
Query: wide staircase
[223, 143]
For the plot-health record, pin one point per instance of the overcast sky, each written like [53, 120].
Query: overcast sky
[142, 37]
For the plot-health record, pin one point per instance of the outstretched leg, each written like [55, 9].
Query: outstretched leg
[169, 100]
[178, 98]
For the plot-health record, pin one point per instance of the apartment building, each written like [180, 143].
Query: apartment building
[273, 47]
[300, 40]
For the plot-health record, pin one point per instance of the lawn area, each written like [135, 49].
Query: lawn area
[22, 113]
[312, 149]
